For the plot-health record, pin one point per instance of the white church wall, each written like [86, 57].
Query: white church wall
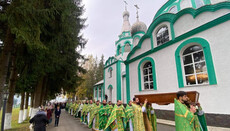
[146, 46]
[187, 22]
[111, 81]
[212, 97]
[185, 4]
[217, 1]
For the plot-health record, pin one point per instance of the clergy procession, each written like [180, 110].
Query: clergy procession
[136, 116]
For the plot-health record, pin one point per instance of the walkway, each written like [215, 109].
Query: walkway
[69, 123]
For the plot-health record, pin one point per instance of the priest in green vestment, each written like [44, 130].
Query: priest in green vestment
[104, 113]
[185, 120]
[110, 106]
[117, 118]
[129, 116]
[84, 113]
[89, 109]
[138, 120]
[94, 118]
[152, 116]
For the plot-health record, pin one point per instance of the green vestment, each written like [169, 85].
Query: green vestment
[116, 119]
[184, 119]
[94, 116]
[84, 113]
[138, 122]
[129, 112]
[104, 113]
[152, 118]
[201, 117]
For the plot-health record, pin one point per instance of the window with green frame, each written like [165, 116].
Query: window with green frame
[194, 63]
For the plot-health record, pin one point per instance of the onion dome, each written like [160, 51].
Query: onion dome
[138, 27]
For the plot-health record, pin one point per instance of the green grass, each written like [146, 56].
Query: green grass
[14, 123]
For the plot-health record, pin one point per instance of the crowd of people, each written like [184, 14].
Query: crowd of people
[136, 116]
[44, 116]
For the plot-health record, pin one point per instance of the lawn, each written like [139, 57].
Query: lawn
[14, 124]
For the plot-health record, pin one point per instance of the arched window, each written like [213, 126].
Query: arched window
[162, 35]
[195, 70]
[199, 3]
[127, 47]
[110, 73]
[173, 9]
[148, 76]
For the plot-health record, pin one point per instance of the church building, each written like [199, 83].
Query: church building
[185, 48]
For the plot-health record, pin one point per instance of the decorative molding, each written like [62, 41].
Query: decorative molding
[172, 19]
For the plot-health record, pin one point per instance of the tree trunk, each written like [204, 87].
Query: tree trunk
[37, 97]
[31, 103]
[10, 101]
[26, 106]
[20, 119]
[4, 61]
[43, 91]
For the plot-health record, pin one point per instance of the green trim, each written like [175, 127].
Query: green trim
[110, 68]
[127, 83]
[172, 31]
[138, 32]
[118, 80]
[101, 93]
[208, 59]
[125, 38]
[153, 72]
[118, 48]
[104, 83]
[110, 86]
[110, 61]
[97, 92]
[151, 39]
[193, 3]
[166, 5]
[172, 19]
[207, 2]
[93, 93]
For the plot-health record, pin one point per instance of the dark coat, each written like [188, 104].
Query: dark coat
[39, 121]
[57, 113]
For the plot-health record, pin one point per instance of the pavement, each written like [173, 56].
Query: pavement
[69, 123]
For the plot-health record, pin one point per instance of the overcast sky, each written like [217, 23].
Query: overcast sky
[104, 20]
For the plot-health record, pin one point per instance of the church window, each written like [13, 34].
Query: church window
[199, 3]
[148, 76]
[110, 73]
[162, 35]
[127, 47]
[195, 70]
[173, 9]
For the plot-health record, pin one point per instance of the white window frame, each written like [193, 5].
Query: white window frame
[197, 2]
[162, 33]
[173, 9]
[148, 74]
[193, 64]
